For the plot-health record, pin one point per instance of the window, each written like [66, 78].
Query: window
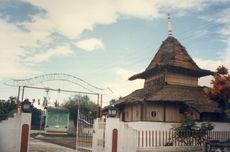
[153, 114]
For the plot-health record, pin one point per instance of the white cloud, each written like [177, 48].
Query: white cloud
[14, 57]
[223, 18]
[53, 52]
[212, 65]
[121, 86]
[90, 44]
[123, 73]
[13, 40]
[39, 33]
[208, 65]
[71, 18]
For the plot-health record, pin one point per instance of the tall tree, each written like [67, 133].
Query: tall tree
[7, 107]
[87, 107]
[220, 92]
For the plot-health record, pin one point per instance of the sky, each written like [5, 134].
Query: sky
[104, 42]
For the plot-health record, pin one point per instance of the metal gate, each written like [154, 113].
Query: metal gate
[84, 135]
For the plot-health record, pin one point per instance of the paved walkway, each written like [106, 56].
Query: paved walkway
[41, 146]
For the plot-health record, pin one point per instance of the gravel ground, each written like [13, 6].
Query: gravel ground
[41, 146]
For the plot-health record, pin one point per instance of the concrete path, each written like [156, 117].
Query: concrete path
[41, 146]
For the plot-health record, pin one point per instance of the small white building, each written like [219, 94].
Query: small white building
[57, 120]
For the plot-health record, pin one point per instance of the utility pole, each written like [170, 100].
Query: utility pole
[18, 102]
[77, 127]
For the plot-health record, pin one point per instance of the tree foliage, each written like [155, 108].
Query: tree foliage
[36, 116]
[7, 106]
[87, 107]
[190, 125]
[189, 132]
[220, 92]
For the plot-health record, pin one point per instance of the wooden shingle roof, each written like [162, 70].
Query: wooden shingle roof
[192, 96]
[172, 56]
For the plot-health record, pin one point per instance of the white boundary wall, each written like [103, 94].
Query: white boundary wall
[10, 132]
[140, 125]
[127, 135]
[102, 137]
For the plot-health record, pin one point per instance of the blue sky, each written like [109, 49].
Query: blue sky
[105, 42]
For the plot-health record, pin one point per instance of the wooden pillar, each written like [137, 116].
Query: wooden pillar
[164, 106]
[98, 98]
[131, 112]
[100, 115]
[142, 112]
[23, 89]
[114, 140]
[24, 138]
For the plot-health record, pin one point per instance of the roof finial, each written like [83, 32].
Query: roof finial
[169, 26]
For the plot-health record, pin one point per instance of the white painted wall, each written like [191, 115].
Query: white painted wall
[221, 126]
[10, 132]
[98, 135]
[126, 136]
[140, 125]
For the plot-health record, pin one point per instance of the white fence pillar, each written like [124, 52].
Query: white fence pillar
[98, 135]
[11, 131]
[102, 138]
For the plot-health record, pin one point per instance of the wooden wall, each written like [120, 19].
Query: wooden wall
[172, 113]
[156, 111]
[132, 112]
[127, 113]
[136, 112]
[154, 80]
[195, 115]
[178, 79]
[170, 78]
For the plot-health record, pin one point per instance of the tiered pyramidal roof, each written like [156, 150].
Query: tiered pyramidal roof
[173, 57]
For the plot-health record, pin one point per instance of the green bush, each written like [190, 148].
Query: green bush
[190, 132]
[6, 107]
